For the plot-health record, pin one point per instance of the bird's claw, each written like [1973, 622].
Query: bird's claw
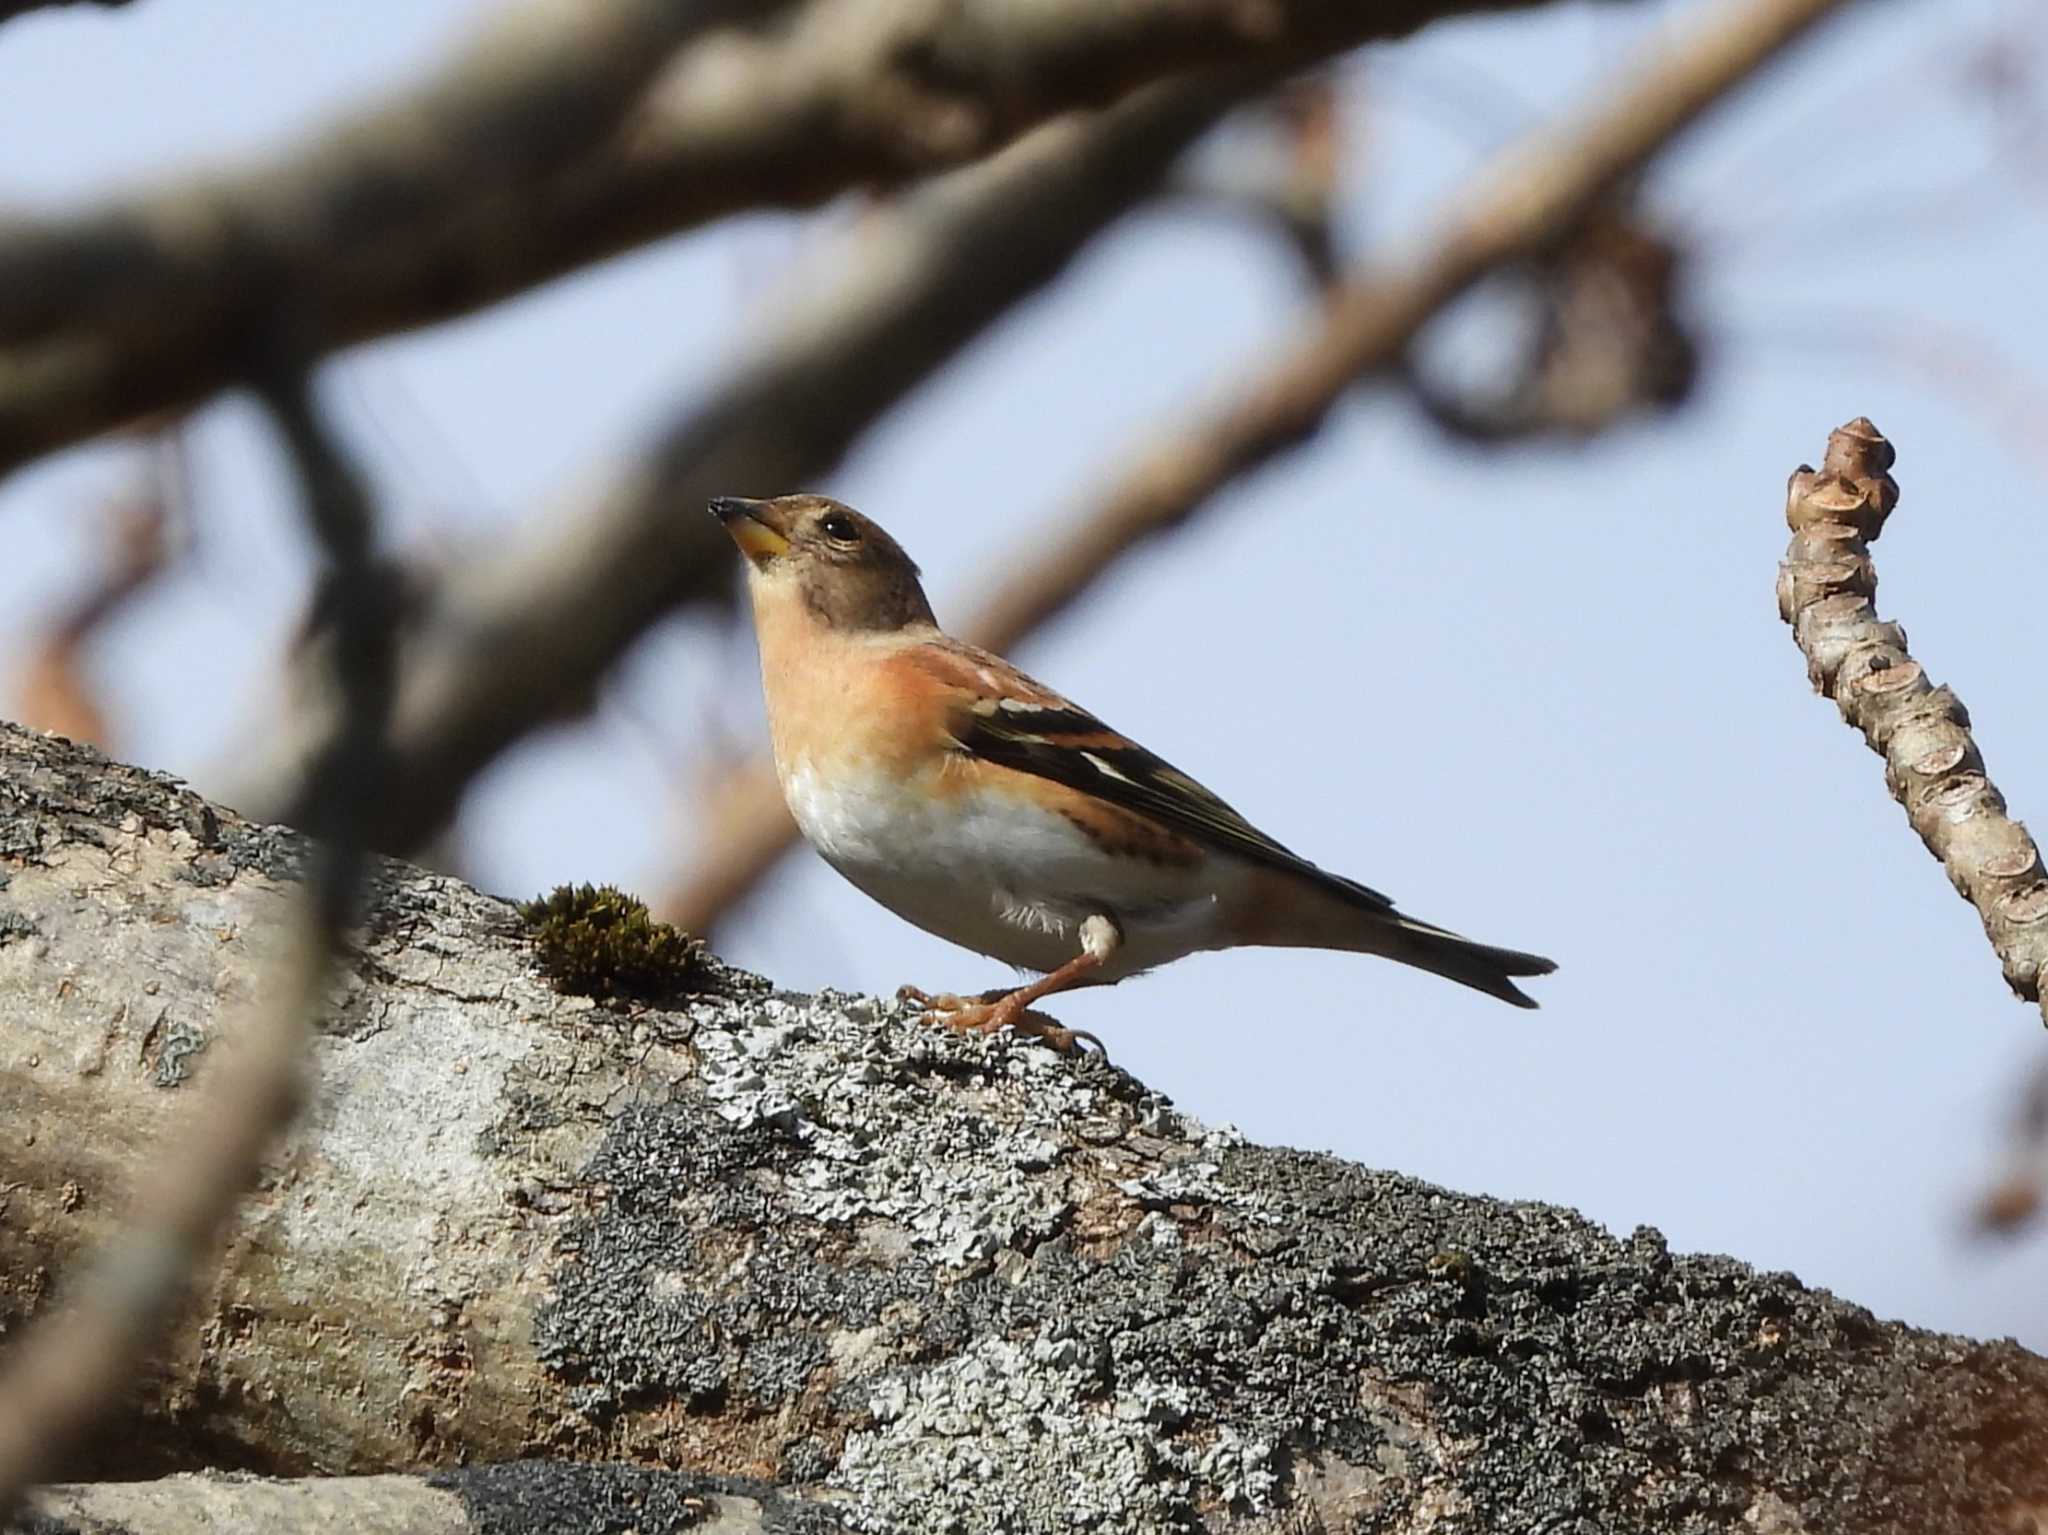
[968, 1015]
[1063, 1039]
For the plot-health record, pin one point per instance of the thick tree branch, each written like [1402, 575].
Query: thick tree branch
[435, 205]
[940, 1281]
[1826, 590]
[1531, 197]
[519, 639]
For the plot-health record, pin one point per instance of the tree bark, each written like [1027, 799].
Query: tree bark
[913, 1281]
[541, 1497]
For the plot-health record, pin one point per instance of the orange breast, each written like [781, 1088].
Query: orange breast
[838, 700]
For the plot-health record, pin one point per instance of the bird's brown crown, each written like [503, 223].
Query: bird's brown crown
[847, 571]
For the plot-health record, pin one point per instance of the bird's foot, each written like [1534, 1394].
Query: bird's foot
[993, 1013]
[933, 1002]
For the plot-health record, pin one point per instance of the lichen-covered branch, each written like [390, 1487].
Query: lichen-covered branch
[428, 207]
[1826, 591]
[934, 1281]
[1515, 208]
[511, 1498]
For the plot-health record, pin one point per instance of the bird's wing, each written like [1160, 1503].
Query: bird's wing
[1011, 720]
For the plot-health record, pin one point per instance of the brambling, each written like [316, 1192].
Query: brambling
[984, 807]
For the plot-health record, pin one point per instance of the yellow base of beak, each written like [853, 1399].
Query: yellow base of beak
[757, 540]
[754, 537]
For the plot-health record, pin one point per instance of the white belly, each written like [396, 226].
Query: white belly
[1001, 876]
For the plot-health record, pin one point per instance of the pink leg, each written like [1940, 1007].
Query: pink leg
[1099, 940]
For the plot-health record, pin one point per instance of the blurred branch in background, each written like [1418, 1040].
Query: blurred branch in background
[517, 640]
[1605, 337]
[1933, 768]
[78, 1363]
[147, 303]
[1291, 185]
[9, 9]
[506, 171]
[147, 530]
[1529, 201]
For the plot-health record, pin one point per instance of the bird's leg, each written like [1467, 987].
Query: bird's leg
[1100, 937]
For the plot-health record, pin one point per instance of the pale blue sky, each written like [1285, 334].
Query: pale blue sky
[1541, 696]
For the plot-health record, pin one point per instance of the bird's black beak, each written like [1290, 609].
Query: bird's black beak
[748, 523]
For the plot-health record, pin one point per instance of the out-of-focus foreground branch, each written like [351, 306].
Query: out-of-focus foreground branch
[478, 187]
[1826, 591]
[79, 1364]
[1531, 197]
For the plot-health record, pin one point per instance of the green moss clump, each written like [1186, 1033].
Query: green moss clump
[597, 941]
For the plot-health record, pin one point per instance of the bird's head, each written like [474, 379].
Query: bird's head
[845, 571]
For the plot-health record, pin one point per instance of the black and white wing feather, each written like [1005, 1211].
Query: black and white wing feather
[1070, 746]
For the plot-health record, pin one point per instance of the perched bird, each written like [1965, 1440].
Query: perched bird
[987, 809]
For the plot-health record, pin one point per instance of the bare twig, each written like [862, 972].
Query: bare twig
[520, 639]
[1293, 186]
[1534, 195]
[1932, 766]
[435, 205]
[76, 1366]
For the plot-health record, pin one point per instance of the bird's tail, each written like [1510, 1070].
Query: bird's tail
[1478, 965]
[1331, 912]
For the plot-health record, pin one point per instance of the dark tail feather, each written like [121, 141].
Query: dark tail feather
[1478, 965]
[1326, 911]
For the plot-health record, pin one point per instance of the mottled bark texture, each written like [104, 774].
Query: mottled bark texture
[1827, 587]
[515, 1498]
[918, 1281]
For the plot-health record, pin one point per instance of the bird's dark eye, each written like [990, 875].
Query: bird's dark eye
[839, 527]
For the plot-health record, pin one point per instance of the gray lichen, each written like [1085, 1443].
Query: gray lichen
[522, 1497]
[971, 1285]
[56, 793]
[172, 1043]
